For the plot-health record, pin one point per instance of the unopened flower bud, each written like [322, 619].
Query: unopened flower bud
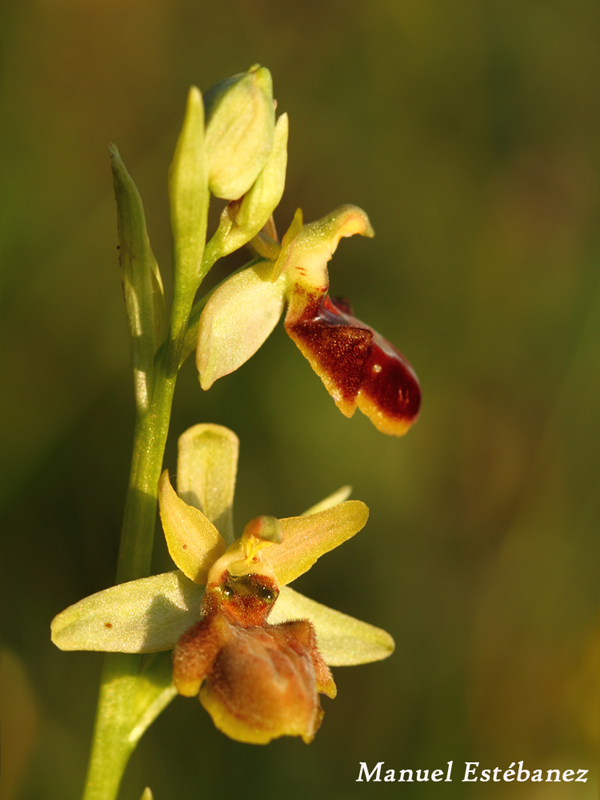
[240, 116]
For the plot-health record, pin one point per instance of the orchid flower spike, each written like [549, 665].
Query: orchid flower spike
[255, 651]
[358, 366]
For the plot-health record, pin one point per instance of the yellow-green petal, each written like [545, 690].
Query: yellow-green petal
[236, 321]
[193, 541]
[206, 471]
[306, 538]
[342, 640]
[329, 502]
[143, 616]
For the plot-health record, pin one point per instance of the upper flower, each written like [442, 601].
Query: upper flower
[256, 650]
[358, 366]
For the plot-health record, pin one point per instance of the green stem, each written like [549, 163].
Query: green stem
[119, 706]
[118, 703]
[111, 746]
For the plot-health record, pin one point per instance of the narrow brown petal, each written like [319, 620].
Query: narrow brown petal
[357, 365]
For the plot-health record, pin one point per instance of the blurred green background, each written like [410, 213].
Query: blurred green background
[469, 131]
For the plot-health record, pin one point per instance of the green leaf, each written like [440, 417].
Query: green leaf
[206, 471]
[142, 284]
[188, 195]
[142, 616]
[342, 640]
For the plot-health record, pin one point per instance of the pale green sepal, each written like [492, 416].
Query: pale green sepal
[147, 794]
[145, 616]
[236, 321]
[206, 471]
[307, 538]
[342, 640]
[239, 131]
[329, 502]
[188, 196]
[194, 543]
[190, 343]
[142, 284]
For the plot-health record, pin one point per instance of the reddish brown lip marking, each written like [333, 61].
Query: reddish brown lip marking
[357, 365]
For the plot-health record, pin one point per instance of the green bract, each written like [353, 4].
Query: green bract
[151, 614]
[188, 196]
[141, 279]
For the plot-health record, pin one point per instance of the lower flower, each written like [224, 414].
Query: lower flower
[257, 681]
[260, 683]
[256, 652]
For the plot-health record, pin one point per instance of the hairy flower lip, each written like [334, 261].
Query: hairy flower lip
[257, 682]
[357, 365]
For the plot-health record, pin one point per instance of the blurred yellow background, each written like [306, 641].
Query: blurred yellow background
[469, 131]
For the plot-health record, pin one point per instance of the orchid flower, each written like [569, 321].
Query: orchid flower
[258, 679]
[358, 366]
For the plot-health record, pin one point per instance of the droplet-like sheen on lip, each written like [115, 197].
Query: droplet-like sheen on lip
[356, 364]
